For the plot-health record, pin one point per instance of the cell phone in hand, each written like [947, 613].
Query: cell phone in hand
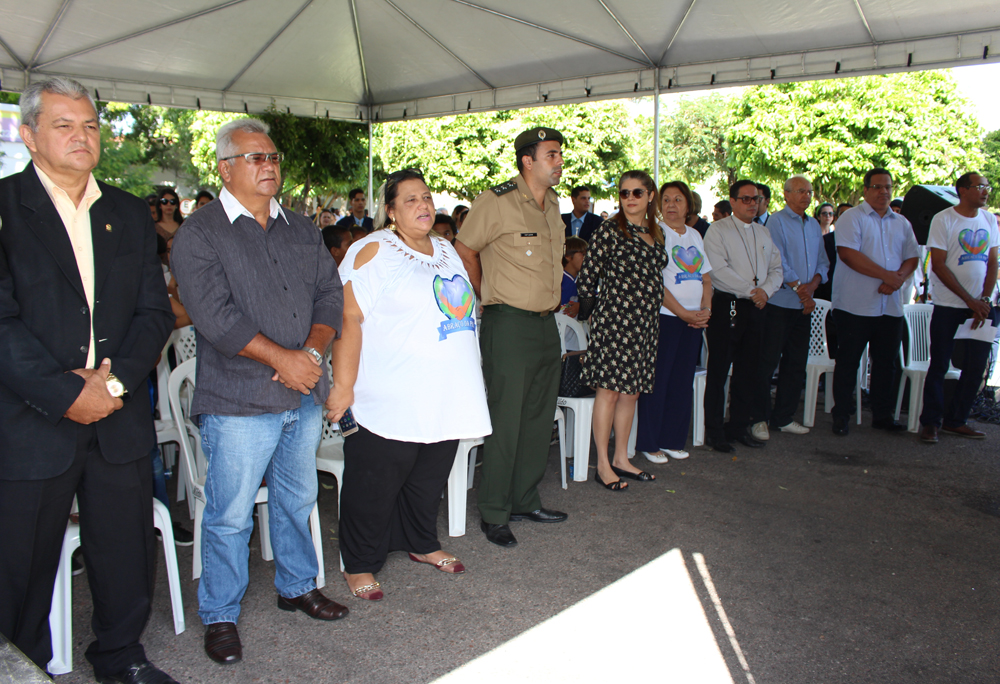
[348, 426]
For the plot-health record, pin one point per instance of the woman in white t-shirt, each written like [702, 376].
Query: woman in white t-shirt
[664, 414]
[408, 347]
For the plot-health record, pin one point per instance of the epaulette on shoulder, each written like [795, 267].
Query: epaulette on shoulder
[504, 188]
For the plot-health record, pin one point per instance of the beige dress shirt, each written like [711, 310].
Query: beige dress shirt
[76, 220]
[520, 246]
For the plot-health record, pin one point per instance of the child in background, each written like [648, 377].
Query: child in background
[576, 250]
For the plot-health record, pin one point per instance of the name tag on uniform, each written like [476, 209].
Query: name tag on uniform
[529, 234]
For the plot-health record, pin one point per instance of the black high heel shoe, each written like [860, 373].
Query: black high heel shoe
[617, 486]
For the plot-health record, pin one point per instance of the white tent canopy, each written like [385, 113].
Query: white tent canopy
[379, 60]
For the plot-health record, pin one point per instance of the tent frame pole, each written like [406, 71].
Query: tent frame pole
[371, 204]
[656, 129]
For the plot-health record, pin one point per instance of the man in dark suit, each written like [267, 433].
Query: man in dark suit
[581, 222]
[83, 316]
[356, 216]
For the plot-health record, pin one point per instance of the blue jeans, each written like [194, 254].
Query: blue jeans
[241, 451]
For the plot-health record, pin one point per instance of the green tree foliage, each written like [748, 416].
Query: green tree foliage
[991, 164]
[203, 126]
[916, 125]
[465, 155]
[153, 138]
[692, 139]
[321, 155]
[697, 133]
[123, 163]
[462, 155]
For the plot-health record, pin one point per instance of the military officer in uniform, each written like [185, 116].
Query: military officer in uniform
[511, 244]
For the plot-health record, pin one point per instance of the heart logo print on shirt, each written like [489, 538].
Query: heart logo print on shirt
[454, 297]
[688, 259]
[973, 243]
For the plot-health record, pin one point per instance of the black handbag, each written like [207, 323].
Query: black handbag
[570, 379]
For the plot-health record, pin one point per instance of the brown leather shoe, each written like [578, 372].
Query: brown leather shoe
[315, 605]
[964, 431]
[929, 434]
[222, 643]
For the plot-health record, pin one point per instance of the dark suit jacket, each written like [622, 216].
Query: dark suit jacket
[348, 222]
[45, 326]
[590, 223]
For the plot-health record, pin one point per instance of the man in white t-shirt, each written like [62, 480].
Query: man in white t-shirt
[963, 241]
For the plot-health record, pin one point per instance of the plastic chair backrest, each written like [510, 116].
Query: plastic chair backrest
[564, 322]
[918, 324]
[184, 374]
[818, 349]
[185, 344]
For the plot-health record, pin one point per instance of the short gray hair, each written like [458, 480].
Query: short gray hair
[224, 146]
[788, 183]
[31, 98]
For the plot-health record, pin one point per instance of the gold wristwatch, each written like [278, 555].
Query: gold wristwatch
[115, 386]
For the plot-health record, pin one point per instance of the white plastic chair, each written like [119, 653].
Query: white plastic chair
[330, 453]
[698, 408]
[195, 472]
[581, 408]
[916, 362]
[819, 364]
[61, 612]
[459, 482]
[185, 344]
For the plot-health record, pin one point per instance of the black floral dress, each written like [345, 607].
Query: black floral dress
[624, 328]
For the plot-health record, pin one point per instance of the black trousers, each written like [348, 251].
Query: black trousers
[883, 335]
[786, 340]
[739, 345]
[945, 321]
[390, 498]
[119, 551]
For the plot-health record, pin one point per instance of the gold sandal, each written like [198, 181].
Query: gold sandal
[457, 567]
[369, 592]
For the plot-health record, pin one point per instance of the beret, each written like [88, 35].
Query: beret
[534, 135]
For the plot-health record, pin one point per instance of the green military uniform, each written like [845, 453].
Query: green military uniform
[520, 246]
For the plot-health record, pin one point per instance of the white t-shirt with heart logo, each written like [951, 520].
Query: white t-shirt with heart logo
[688, 262]
[420, 377]
[968, 242]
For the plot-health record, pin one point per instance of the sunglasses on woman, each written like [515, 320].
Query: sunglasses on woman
[168, 200]
[637, 193]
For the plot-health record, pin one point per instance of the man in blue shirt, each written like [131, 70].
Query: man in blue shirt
[581, 222]
[804, 264]
[877, 253]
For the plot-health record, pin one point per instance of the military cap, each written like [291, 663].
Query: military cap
[535, 135]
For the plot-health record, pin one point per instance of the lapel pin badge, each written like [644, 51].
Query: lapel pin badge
[108, 227]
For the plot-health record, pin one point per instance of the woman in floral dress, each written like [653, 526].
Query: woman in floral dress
[622, 282]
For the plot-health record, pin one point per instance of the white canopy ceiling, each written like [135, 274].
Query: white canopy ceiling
[393, 59]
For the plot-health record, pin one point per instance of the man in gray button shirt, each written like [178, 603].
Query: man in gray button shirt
[266, 301]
